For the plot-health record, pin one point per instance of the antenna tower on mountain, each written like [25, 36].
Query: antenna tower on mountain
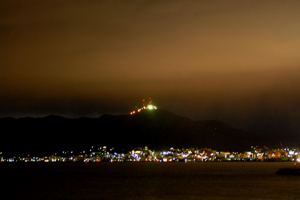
[150, 106]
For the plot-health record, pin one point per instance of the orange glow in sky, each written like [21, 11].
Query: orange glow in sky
[236, 61]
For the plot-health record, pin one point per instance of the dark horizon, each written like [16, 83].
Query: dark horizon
[150, 124]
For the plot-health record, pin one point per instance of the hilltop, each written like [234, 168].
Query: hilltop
[159, 129]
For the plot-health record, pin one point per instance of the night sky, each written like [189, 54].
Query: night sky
[235, 61]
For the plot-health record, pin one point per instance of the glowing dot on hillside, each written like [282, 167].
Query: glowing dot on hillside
[150, 107]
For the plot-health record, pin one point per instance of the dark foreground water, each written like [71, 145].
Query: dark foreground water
[204, 180]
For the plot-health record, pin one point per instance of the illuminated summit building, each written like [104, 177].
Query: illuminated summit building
[149, 106]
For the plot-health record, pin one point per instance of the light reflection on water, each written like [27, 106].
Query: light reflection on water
[214, 180]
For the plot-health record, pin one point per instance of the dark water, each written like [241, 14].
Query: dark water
[207, 180]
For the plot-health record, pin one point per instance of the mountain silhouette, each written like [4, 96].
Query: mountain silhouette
[158, 129]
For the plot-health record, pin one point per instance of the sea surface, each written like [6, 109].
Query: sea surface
[199, 180]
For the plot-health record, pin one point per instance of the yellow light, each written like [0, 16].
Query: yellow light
[150, 107]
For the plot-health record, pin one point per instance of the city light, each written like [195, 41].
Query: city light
[105, 154]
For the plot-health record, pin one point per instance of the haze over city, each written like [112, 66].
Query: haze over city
[234, 61]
